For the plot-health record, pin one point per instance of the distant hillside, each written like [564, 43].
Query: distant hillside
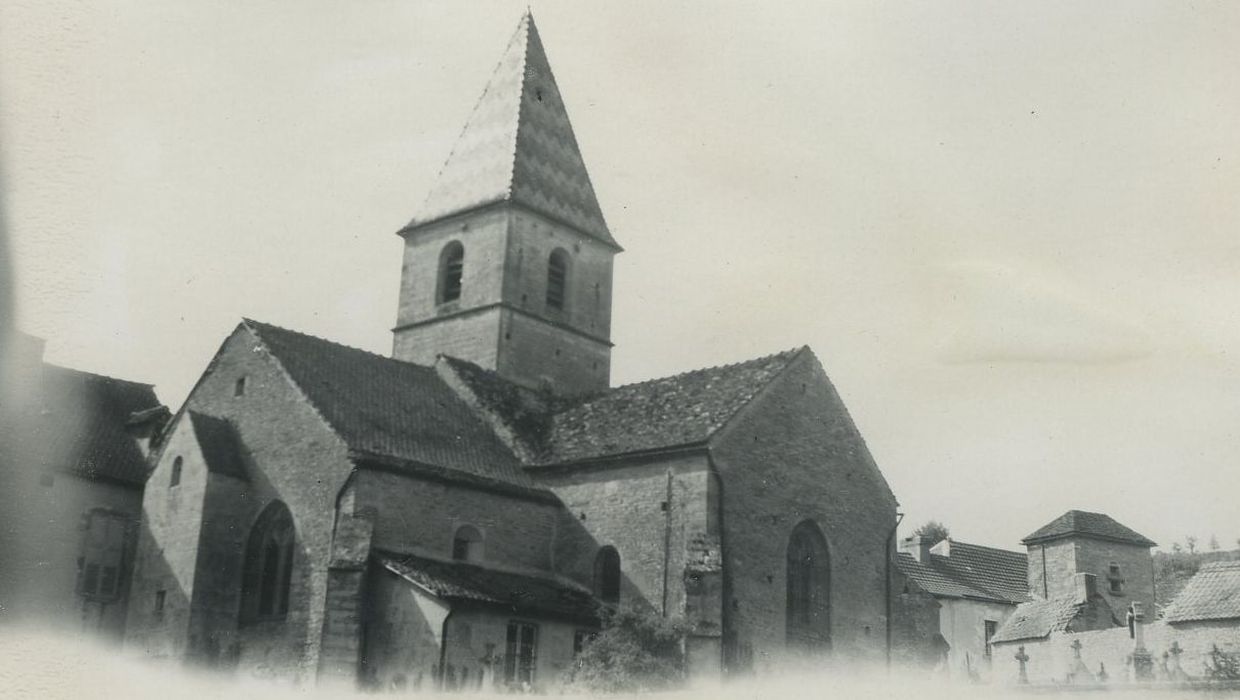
[1173, 569]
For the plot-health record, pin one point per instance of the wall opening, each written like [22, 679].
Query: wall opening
[268, 566]
[808, 588]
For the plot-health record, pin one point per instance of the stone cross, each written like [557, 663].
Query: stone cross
[1076, 649]
[1022, 658]
[1175, 671]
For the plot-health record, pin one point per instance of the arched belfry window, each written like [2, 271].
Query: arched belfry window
[467, 544]
[607, 575]
[268, 565]
[451, 271]
[557, 279]
[809, 587]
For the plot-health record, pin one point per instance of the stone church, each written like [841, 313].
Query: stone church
[467, 508]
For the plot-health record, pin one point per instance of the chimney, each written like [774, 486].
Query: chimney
[918, 546]
[146, 427]
[1086, 587]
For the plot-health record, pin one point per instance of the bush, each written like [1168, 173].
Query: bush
[635, 651]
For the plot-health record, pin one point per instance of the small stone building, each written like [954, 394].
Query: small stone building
[72, 466]
[459, 513]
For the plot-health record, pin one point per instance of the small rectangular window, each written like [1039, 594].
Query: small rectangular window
[90, 582]
[991, 626]
[107, 584]
[160, 598]
[239, 387]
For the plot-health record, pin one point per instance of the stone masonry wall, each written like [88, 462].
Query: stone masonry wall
[794, 454]
[421, 516]
[649, 511]
[167, 557]
[292, 456]
[1052, 658]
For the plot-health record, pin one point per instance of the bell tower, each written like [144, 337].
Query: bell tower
[508, 264]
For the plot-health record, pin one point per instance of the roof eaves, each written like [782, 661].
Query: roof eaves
[397, 465]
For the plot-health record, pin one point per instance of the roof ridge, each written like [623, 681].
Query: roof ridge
[985, 546]
[97, 375]
[789, 353]
[259, 325]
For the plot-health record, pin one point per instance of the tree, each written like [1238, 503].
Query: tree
[1175, 547]
[636, 651]
[1192, 544]
[1213, 543]
[934, 530]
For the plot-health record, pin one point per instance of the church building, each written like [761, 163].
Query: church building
[466, 510]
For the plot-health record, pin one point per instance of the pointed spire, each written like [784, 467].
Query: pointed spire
[518, 145]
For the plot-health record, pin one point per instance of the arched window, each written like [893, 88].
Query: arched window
[607, 575]
[175, 477]
[557, 279]
[809, 588]
[451, 269]
[467, 544]
[268, 565]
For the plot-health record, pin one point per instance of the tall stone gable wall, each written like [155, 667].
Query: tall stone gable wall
[291, 455]
[793, 454]
[167, 557]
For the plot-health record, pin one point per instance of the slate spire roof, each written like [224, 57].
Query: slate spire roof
[1086, 524]
[519, 146]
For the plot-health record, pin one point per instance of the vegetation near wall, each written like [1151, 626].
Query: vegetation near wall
[635, 651]
[1173, 569]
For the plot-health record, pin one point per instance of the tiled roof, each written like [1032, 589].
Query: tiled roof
[1038, 618]
[1212, 594]
[380, 406]
[220, 444]
[999, 573]
[81, 427]
[519, 593]
[683, 409]
[1086, 524]
[971, 571]
[518, 145]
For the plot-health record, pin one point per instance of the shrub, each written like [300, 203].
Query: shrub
[635, 651]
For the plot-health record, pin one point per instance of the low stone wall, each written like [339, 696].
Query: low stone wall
[1055, 658]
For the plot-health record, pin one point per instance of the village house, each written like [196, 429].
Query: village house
[462, 511]
[73, 457]
[952, 597]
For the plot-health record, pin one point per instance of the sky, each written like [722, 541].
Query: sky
[1008, 230]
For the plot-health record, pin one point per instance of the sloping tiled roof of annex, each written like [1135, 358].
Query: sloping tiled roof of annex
[1038, 618]
[971, 571]
[391, 409]
[81, 428]
[683, 409]
[220, 444]
[518, 593]
[1212, 594]
[1086, 524]
[519, 146]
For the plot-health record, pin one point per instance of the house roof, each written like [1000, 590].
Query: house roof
[519, 593]
[1037, 618]
[519, 146]
[389, 408]
[970, 571]
[220, 444]
[1085, 524]
[684, 409]
[80, 428]
[1212, 594]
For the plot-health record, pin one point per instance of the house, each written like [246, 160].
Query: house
[73, 461]
[968, 591]
[462, 512]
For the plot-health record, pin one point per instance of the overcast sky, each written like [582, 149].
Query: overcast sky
[1009, 231]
